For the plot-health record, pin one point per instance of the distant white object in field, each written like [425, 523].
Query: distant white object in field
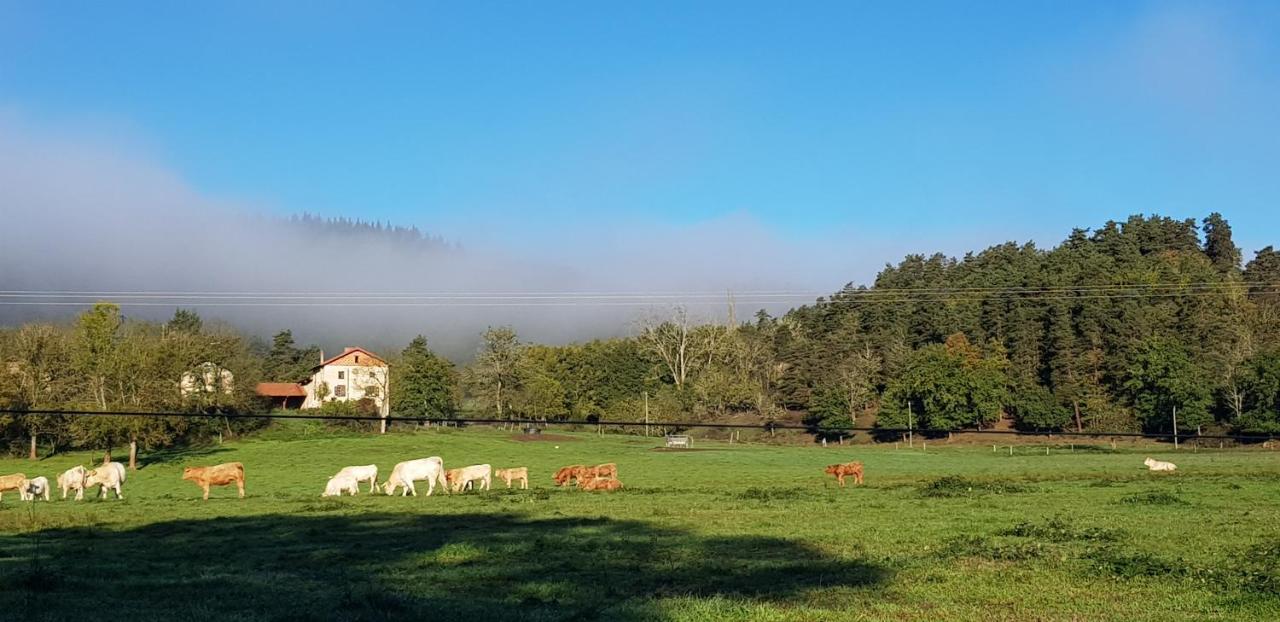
[557, 447]
[339, 484]
[1157, 465]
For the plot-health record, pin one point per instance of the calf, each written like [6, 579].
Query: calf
[513, 474]
[600, 483]
[368, 472]
[72, 479]
[339, 484]
[459, 478]
[37, 487]
[566, 475]
[410, 471]
[217, 475]
[106, 477]
[1157, 465]
[13, 482]
[848, 469]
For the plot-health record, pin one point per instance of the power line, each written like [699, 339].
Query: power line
[614, 294]
[574, 302]
[766, 427]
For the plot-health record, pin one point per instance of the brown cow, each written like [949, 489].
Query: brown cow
[12, 482]
[566, 475]
[604, 471]
[600, 483]
[219, 475]
[848, 469]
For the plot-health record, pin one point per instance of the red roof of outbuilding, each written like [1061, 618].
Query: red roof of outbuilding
[281, 389]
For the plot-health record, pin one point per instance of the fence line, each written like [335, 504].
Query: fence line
[769, 426]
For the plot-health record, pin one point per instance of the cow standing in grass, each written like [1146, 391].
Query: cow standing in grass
[34, 488]
[520, 474]
[108, 478]
[12, 482]
[460, 479]
[339, 484]
[218, 475]
[410, 471]
[848, 469]
[368, 472]
[73, 479]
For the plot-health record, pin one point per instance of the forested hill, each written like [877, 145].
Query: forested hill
[1111, 329]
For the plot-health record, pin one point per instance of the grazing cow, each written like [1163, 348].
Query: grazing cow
[339, 484]
[1157, 465]
[460, 478]
[35, 487]
[217, 475]
[106, 477]
[13, 482]
[410, 471]
[514, 474]
[367, 472]
[600, 483]
[566, 475]
[72, 479]
[848, 469]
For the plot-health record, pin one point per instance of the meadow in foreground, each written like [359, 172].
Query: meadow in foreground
[742, 532]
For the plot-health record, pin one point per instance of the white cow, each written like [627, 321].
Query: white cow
[108, 477]
[339, 484]
[361, 473]
[35, 487]
[460, 478]
[410, 471]
[72, 479]
[1157, 465]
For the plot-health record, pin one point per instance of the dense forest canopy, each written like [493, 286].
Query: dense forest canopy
[1112, 330]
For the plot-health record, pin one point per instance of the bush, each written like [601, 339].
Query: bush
[956, 486]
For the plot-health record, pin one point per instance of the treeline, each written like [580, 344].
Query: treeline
[1115, 329]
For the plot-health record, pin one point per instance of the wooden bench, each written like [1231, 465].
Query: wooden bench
[679, 442]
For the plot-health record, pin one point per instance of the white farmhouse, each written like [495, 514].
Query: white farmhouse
[206, 378]
[351, 376]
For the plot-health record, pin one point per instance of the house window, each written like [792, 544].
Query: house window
[357, 358]
[340, 391]
[341, 375]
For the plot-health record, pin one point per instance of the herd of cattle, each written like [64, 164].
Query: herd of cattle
[110, 476]
[602, 477]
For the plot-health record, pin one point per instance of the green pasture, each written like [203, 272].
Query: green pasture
[727, 531]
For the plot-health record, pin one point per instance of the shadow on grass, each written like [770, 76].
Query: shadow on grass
[393, 566]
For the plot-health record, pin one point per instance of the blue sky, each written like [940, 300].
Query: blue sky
[885, 127]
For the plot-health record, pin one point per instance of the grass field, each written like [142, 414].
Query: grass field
[742, 532]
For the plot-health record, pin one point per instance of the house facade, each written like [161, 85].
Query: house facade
[348, 377]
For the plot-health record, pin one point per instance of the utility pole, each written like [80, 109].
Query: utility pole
[911, 437]
[646, 413]
[1175, 427]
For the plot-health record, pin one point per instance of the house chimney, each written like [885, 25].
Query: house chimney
[322, 356]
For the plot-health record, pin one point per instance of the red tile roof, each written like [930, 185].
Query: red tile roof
[281, 389]
[346, 351]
